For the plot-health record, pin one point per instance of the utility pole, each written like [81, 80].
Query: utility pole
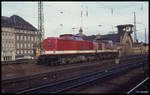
[135, 36]
[145, 36]
[40, 25]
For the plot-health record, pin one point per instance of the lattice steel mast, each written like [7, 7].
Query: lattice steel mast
[40, 23]
[145, 36]
[135, 36]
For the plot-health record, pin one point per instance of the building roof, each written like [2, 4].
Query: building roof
[113, 37]
[125, 25]
[17, 22]
[89, 38]
[66, 35]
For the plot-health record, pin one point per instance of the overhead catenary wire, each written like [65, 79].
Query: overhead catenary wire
[111, 9]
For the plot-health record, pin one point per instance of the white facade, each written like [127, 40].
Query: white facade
[8, 44]
[24, 42]
[15, 43]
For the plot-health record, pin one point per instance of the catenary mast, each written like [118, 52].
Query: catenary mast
[40, 24]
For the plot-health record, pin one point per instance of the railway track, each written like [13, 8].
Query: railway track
[121, 59]
[20, 70]
[17, 62]
[118, 83]
[138, 85]
[31, 60]
[81, 80]
[27, 81]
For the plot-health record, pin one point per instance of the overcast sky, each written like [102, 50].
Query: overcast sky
[61, 17]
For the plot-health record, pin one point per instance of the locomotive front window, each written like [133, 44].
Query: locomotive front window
[49, 45]
[71, 38]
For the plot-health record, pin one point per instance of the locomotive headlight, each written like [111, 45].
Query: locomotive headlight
[128, 29]
[124, 29]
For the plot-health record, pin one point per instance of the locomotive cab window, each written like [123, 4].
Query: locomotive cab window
[71, 38]
[49, 45]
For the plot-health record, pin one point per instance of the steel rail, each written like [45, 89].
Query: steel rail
[23, 77]
[137, 85]
[67, 84]
[36, 76]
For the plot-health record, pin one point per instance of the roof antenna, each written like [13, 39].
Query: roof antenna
[141, 7]
[81, 18]
[111, 11]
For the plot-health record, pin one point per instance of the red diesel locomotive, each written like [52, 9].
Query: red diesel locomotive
[69, 48]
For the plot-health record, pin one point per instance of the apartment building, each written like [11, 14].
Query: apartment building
[18, 38]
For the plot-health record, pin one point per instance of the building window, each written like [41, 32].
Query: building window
[8, 36]
[21, 51]
[35, 39]
[17, 51]
[25, 45]
[18, 45]
[29, 38]
[25, 51]
[17, 37]
[32, 46]
[12, 37]
[24, 38]
[20, 37]
[29, 45]
[2, 45]
[10, 45]
[32, 51]
[21, 45]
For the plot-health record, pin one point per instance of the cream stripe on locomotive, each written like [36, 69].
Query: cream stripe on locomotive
[77, 51]
[107, 50]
